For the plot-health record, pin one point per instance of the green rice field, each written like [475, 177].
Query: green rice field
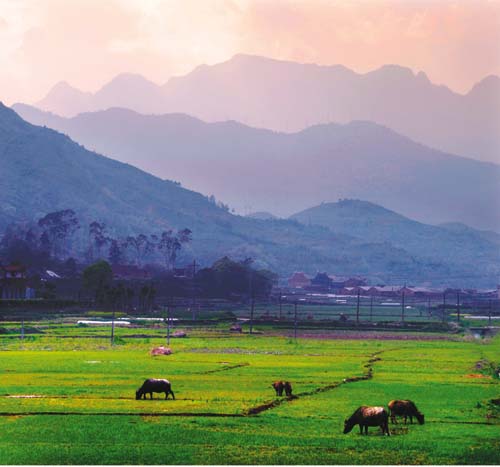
[72, 400]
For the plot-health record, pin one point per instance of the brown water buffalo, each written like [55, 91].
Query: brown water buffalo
[288, 388]
[404, 408]
[154, 385]
[368, 416]
[278, 387]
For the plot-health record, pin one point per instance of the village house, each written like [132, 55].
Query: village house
[321, 282]
[299, 280]
[13, 282]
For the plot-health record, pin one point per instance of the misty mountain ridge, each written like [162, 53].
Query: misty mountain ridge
[288, 172]
[263, 215]
[374, 223]
[44, 171]
[288, 97]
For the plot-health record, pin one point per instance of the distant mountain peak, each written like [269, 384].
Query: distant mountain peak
[129, 79]
[486, 87]
[393, 71]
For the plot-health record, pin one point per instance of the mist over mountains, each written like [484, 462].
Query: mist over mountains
[285, 173]
[375, 223]
[43, 171]
[287, 96]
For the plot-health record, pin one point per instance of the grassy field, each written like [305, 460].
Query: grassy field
[71, 400]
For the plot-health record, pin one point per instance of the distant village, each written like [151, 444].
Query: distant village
[18, 282]
[323, 282]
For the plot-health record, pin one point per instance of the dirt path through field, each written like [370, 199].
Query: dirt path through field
[368, 374]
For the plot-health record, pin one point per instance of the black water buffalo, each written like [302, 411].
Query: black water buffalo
[405, 408]
[278, 387]
[368, 416]
[154, 385]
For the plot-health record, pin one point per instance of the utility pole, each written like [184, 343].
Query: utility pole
[403, 307]
[280, 304]
[193, 283]
[113, 326]
[168, 324]
[251, 300]
[458, 306]
[371, 308]
[444, 307]
[357, 309]
[252, 304]
[295, 320]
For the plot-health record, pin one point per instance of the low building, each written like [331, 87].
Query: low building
[299, 280]
[322, 281]
[13, 282]
[355, 282]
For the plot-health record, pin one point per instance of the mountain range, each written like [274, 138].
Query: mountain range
[377, 224]
[287, 172]
[288, 96]
[43, 171]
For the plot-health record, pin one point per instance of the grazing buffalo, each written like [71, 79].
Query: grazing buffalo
[405, 409]
[288, 388]
[278, 387]
[368, 416]
[154, 385]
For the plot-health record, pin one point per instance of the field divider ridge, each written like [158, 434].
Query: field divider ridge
[368, 374]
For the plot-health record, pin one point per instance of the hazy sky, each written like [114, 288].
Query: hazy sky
[88, 42]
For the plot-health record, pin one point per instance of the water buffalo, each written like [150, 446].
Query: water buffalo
[278, 387]
[368, 416]
[154, 385]
[288, 388]
[405, 409]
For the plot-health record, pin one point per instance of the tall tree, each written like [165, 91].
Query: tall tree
[115, 252]
[97, 239]
[57, 227]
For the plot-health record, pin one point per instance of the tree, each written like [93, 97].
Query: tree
[170, 245]
[97, 277]
[115, 253]
[57, 227]
[143, 246]
[70, 267]
[228, 278]
[97, 239]
[165, 246]
[131, 244]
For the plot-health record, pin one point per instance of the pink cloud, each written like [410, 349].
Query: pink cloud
[88, 42]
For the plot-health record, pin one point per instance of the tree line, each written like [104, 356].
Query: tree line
[60, 236]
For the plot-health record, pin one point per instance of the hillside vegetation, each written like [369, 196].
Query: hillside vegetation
[44, 171]
[285, 173]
